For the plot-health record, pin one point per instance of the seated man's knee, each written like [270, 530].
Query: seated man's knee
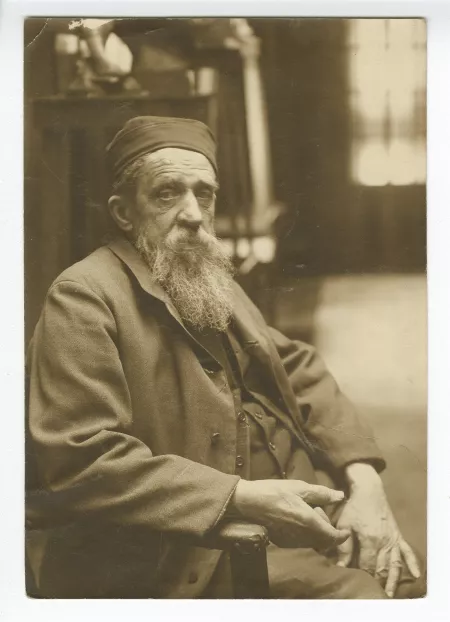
[359, 584]
[413, 588]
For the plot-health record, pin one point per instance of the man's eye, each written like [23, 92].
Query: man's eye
[166, 194]
[205, 194]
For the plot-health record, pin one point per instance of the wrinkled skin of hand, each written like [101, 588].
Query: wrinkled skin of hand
[290, 509]
[383, 552]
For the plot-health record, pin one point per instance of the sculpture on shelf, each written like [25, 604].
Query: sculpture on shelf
[103, 60]
[121, 54]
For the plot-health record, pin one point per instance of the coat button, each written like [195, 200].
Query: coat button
[258, 415]
[193, 577]
[215, 438]
[272, 446]
[239, 461]
[242, 417]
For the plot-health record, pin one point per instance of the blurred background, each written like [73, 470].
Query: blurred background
[322, 155]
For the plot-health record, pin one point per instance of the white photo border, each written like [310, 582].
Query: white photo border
[14, 604]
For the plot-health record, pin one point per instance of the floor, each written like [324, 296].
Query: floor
[372, 332]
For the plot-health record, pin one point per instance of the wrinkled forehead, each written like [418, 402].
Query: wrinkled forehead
[180, 164]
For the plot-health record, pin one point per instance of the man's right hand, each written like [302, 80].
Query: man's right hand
[286, 508]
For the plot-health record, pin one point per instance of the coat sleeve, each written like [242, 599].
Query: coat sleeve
[80, 416]
[329, 419]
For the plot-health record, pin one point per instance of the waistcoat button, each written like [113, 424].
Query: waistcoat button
[239, 461]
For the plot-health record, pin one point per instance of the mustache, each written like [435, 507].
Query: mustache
[187, 239]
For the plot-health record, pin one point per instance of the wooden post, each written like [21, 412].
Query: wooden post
[257, 130]
[249, 572]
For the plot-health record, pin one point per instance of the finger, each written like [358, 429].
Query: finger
[368, 553]
[410, 559]
[395, 568]
[323, 528]
[382, 567]
[320, 495]
[345, 553]
[322, 514]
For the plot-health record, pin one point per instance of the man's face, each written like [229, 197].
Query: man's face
[172, 228]
[176, 190]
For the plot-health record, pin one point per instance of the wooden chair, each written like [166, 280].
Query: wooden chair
[246, 545]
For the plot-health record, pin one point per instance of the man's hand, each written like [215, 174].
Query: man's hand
[286, 508]
[382, 549]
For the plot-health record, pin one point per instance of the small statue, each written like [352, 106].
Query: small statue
[104, 61]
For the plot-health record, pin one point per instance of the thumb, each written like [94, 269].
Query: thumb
[320, 495]
[322, 514]
[345, 553]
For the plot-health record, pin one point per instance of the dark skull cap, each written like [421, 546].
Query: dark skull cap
[142, 135]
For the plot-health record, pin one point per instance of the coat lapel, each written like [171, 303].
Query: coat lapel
[250, 324]
[255, 338]
[126, 252]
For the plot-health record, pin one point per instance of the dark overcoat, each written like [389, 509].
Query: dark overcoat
[123, 406]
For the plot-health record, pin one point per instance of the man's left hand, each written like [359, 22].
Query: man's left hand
[382, 550]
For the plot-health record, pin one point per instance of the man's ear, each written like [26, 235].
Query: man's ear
[120, 211]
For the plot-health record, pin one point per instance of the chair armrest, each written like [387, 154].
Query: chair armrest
[245, 538]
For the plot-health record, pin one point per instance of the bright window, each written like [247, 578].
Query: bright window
[387, 71]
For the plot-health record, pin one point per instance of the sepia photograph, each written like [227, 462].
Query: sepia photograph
[225, 298]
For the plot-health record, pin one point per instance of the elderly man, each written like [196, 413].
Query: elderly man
[160, 404]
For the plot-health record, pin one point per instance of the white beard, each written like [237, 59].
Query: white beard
[195, 271]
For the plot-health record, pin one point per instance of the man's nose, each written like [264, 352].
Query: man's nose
[190, 214]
